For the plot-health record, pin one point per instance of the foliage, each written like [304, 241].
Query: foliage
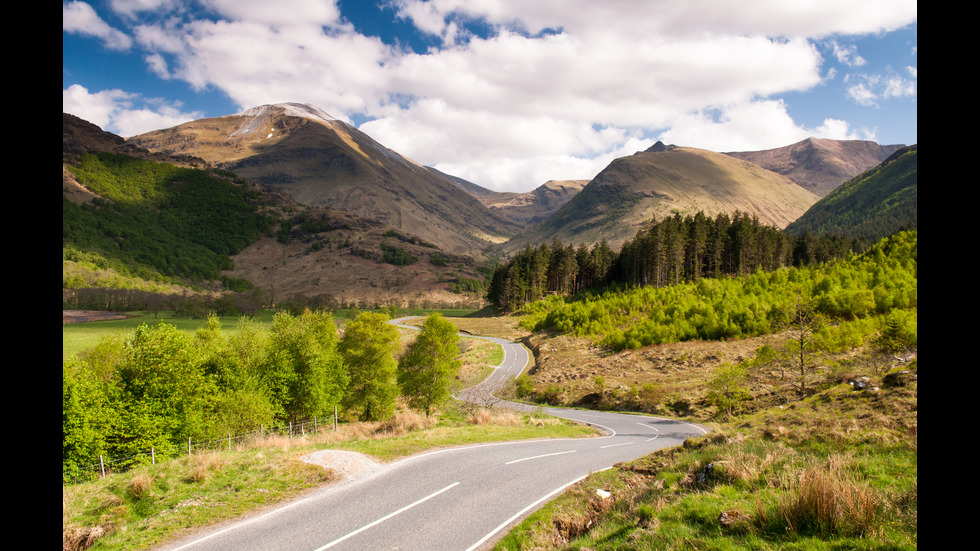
[671, 251]
[430, 364]
[368, 348]
[878, 281]
[162, 385]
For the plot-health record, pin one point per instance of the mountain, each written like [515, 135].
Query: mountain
[664, 180]
[533, 207]
[321, 161]
[820, 165]
[524, 209]
[873, 205]
[154, 222]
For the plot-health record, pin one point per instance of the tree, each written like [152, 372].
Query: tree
[306, 368]
[428, 368]
[726, 390]
[86, 412]
[368, 348]
[165, 392]
[802, 350]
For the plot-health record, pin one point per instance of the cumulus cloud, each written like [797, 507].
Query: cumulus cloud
[80, 18]
[123, 113]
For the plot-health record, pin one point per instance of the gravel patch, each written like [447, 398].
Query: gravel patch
[349, 465]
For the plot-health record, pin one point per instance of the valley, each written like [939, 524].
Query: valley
[770, 296]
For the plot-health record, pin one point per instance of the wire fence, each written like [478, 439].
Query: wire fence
[117, 464]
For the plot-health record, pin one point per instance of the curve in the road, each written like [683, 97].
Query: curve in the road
[454, 499]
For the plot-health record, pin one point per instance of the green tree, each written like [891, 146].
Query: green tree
[368, 348]
[727, 389]
[430, 364]
[165, 393]
[85, 415]
[305, 368]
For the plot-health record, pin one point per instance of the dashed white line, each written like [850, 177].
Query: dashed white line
[538, 457]
[614, 445]
[386, 517]
[521, 512]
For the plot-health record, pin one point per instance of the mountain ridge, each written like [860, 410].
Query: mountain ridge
[318, 160]
[664, 180]
[820, 164]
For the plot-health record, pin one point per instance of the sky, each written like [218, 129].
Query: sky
[508, 94]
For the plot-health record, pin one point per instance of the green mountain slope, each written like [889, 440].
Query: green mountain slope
[153, 219]
[873, 205]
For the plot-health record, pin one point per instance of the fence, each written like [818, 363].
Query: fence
[117, 464]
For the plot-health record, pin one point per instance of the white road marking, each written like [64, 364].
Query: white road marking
[521, 512]
[614, 445]
[382, 519]
[539, 456]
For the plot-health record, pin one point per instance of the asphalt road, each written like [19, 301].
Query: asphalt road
[456, 499]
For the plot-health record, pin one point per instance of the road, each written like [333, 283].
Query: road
[457, 499]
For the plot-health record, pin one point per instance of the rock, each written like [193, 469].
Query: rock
[730, 517]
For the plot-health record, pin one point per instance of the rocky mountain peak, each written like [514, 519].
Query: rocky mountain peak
[304, 110]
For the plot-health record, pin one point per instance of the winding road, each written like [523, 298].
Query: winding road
[456, 499]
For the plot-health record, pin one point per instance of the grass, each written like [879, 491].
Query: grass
[156, 503]
[837, 470]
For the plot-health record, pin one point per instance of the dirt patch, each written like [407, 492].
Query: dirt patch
[79, 316]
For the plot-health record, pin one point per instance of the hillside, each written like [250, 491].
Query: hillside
[134, 219]
[321, 161]
[872, 205]
[663, 181]
[820, 165]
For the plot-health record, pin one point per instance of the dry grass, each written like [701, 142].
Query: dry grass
[140, 485]
[202, 465]
[504, 418]
[827, 500]
[404, 422]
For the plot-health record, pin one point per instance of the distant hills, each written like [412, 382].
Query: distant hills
[820, 165]
[875, 204]
[664, 180]
[342, 204]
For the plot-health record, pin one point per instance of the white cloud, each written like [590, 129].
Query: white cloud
[522, 104]
[80, 18]
[123, 113]
[280, 12]
[847, 54]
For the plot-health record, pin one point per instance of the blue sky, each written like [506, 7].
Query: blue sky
[508, 93]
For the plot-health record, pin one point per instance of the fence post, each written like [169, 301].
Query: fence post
[188, 446]
[102, 465]
[229, 441]
[153, 455]
[335, 418]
